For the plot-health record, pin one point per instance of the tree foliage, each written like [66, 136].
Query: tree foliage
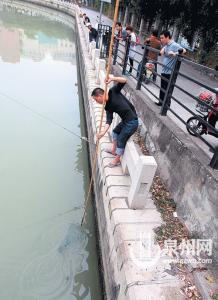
[191, 16]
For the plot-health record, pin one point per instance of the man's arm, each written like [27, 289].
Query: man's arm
[177, 49]
[102, 133]
[116, 79]
[180, 51]
[109, 119]
[162, 51]
[121, 81]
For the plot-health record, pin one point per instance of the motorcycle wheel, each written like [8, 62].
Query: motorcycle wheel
[195, 126]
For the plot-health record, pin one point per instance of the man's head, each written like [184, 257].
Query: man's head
[98, 95]
[165, 37]
[89, 25]
[154, 33]
[118, 26]
[129, 29]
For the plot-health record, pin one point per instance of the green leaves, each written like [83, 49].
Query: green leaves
[191, 15]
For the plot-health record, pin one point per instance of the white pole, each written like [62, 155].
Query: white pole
[101, 9]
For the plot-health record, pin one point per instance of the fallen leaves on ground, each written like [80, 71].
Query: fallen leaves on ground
[189, 290]
[172, 228]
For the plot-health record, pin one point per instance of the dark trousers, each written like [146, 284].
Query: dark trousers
[122, 132]
[213, 118]
[155, 69]
[164, 85]
[131, 64]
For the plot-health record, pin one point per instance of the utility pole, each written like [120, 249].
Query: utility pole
[101, 9]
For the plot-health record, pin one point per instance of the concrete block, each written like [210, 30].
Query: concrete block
[134, 217]
[140, 291]
[118, 191]
[134, 232]
[95, 55]
[102, 64]
[141, 181]
[158, 272]
[130, 159]
[102, 76]
[142, 170]
[105, 144]
[87, 38]
[117, 204]
[117, 180]
[108, 171]
[92, 46]
[104, 139]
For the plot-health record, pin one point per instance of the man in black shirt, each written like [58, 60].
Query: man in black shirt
[117, 103]
[93, 33]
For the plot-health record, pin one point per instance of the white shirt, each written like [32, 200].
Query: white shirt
[132, 48]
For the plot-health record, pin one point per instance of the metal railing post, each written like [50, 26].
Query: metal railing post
[170, 86]
[116, 47]
[141, 71]
[126, 56]
[214, 160]
[98, 36]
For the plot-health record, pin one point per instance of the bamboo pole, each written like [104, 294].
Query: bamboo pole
[108, 68]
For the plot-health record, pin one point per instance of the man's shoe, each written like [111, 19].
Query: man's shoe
[158, 104]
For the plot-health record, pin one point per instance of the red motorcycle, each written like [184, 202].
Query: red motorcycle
[195, 126]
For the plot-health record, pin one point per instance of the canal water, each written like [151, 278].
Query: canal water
[44, 172]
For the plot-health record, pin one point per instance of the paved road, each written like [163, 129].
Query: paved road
[181, 81]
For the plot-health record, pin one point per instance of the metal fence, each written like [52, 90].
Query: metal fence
[194, 113]
[103, 39]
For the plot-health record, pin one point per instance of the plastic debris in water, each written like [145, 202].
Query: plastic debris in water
[76, 239]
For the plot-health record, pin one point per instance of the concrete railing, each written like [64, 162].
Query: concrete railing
[141, 168]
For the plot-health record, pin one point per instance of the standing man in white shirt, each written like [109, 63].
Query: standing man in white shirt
[132, 36]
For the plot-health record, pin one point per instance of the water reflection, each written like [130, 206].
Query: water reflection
[10, 44]
[34, 38]
[44, 253]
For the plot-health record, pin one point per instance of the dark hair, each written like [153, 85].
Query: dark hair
[129, 27]
[97, 92]
[119, 24]
[155, 32]
[166, 33]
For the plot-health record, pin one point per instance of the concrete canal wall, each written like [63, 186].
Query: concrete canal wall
[122, 220]
[127, 274]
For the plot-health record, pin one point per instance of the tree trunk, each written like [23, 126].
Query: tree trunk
[141, 28]
[203, 53]
[158, 24]
[126, 16]
[133, 19]
[176, 32]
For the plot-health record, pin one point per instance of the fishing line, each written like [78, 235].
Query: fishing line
[83, 138]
